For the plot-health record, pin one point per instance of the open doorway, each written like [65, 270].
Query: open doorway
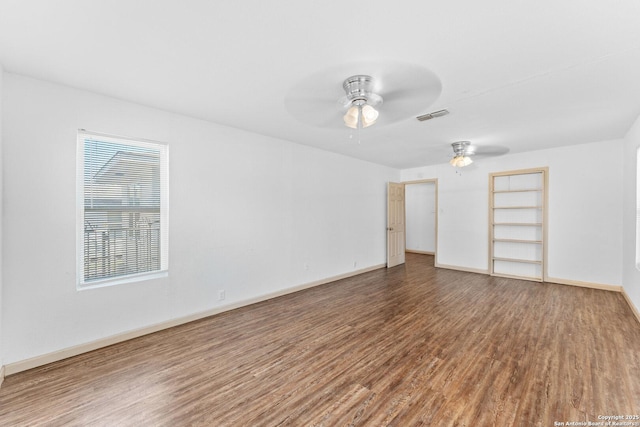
[421, 210]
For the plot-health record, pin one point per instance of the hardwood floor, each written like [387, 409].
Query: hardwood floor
[412, 345]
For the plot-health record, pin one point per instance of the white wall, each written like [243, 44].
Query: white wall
[249, 214]
[631, 275]
[585, 210]
[420, 211]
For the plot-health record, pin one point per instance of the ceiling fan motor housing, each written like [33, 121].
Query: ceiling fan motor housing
[460, 147]
[359, 90]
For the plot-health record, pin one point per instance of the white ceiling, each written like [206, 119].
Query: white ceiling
[517, 74]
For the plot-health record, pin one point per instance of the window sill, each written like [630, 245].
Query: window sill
[83, 286]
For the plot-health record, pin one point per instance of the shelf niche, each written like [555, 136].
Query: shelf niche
[518, 223]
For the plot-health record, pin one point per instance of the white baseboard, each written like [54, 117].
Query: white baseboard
[465, 269]
[601, 286]
[34, 362]
[634, 309]
[416, 251]
[13, 368]
[1, 375]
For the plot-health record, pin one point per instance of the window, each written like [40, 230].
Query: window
[122, 210]
[638, 208]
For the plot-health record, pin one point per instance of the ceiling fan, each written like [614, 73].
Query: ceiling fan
[463, 151]
[352, 94]
[360, 101]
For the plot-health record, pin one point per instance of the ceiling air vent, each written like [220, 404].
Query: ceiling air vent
[433, 115]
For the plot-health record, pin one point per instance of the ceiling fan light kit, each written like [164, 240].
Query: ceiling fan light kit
[460, 161]
[360, 100]
[360, 115]
[460, 158]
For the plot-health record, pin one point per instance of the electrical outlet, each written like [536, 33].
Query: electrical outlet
[221, 295]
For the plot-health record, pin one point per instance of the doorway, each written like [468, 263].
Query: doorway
[421, 210]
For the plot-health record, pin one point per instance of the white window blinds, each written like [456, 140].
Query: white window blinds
[124, 208]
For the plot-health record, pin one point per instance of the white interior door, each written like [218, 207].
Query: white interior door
[395, 224]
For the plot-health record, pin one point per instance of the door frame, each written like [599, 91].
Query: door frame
[435, 184]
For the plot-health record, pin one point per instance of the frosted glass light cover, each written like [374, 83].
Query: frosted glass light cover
[363, 116]
[460, 161]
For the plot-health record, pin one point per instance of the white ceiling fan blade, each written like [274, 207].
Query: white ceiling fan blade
[483, 151]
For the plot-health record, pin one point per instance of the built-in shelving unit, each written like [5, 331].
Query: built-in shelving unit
[517, 223]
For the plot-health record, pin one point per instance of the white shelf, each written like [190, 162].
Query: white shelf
[528, 261]
[518, 241]
[518, 191]
[517, 224]
[524, 224]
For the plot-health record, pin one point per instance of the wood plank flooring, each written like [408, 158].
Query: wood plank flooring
[409, 346]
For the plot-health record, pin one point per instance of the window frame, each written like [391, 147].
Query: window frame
[163, 271]
[637, 209]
